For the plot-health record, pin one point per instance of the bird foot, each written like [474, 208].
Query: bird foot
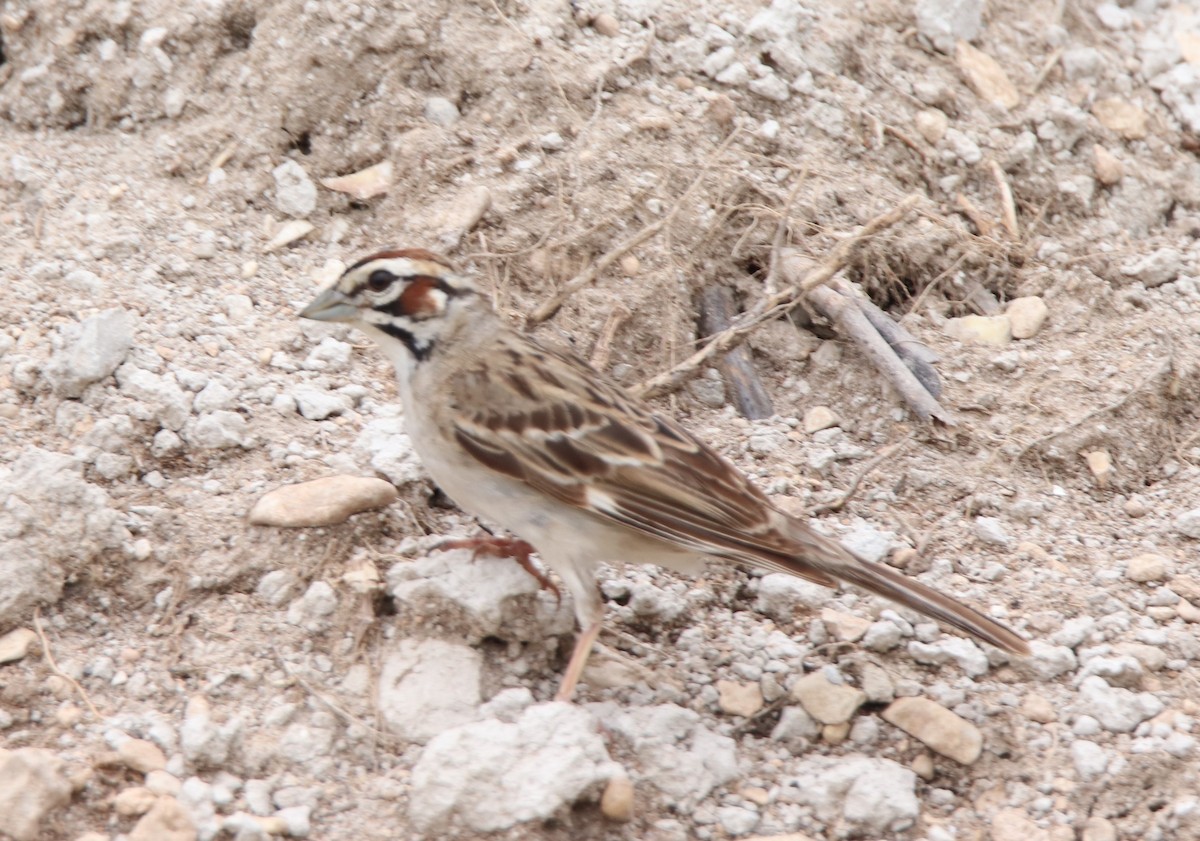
[504, 547]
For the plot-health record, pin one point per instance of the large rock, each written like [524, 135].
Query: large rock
[492, 775]
[93, 350]
[478, 597]
[51, 521]
[33, 783]
[676, 753]
[428, 686]
[876, 797]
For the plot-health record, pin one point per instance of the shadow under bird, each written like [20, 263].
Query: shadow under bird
[534, 440]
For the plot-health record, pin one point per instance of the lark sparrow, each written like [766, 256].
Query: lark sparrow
[536, 441]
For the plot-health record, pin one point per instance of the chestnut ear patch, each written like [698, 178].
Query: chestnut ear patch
[424, 297]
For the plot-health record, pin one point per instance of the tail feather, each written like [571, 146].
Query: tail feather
[819, 557]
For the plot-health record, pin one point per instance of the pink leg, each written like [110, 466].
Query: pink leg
[579, 658]
[505, 547]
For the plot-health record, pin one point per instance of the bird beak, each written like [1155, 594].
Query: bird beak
[330, 305]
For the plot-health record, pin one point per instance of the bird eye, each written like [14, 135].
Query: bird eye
[379, 280]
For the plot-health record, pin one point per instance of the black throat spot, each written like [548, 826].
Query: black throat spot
[416, 348]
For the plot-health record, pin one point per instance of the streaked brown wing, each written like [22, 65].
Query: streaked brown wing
[548, 420]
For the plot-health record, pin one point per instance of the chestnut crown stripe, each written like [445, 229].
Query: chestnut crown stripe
[421, 254]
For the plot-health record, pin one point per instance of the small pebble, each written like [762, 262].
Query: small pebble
[321, 502]
[818, 418]
[606, 25]
[1147, 567]
[1108, 168]
[616, 803]
[1026, 316]
[992, 330]
[441, 111]
[744, 699]
[936, 727]
[15, 644]
[1100, 463]
[828, 703]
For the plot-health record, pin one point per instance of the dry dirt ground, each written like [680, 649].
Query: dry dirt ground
[137, 149]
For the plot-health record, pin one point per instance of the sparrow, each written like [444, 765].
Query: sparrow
[531, 438]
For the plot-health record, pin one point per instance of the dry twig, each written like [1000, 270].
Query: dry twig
[37, 627]
[736, 367]
[775, 305]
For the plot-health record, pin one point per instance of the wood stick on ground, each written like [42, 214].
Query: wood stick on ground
[775, 305]
[603, 348]
[853, 325]
[737, 366]
[912, 351]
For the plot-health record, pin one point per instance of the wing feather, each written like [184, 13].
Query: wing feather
[575, 431]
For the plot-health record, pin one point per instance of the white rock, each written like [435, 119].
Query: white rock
[1074, 631]
[219, 430]
[737, 820]
[390, 451]
[796, 729]
[311, 611]
[780, 593]
[166, 443]
[882, 636]
[277, 586]
[677, 754]
[990, 530]
[205, 743]
[770, 87]
[1188, 523]
[301, 743]
[781, 20]
[212, 397]
[876, 797]
[1124, 671]
[441, 111]
[112, 466]
[1046, 661]
[94, 349]
[478, 598]
[33, 783]
[329, 355]
[959, 650]
[1160, 266]
[295, 192]
[492, 775]
[429, 686]
[319, 404]
[51, 521]
[1089, 758]
[167, 403]
[1118, 710]
[239, 308]
[944, 22]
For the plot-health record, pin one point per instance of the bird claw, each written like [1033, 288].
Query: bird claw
[504, 547]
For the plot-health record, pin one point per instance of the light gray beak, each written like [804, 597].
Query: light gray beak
[330, 305]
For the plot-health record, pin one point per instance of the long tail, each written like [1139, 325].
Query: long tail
[821, 557]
